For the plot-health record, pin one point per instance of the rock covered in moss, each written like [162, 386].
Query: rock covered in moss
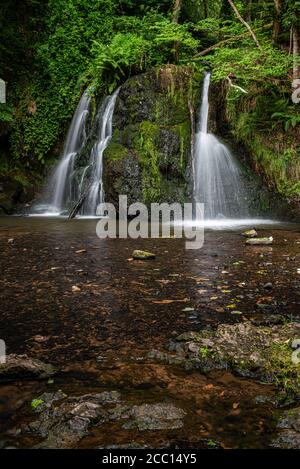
[259, 352]
[250, 233]
[149, 156]
[142, 255]
[23, 367]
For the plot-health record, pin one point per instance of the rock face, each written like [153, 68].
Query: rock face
[23, 367]
[264, 353]
[149, 157]
[13, 193]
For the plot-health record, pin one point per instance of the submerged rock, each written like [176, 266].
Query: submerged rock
[23, 367]
[142, 255]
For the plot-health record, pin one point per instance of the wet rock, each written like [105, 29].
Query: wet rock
[142, 255]
[155, 417]
[258, 352]
[46, 400]
[260, 241]
[262, 399]
[23, 367]
[289, 430]
[250, 233]
[62, 425]
[63, 421]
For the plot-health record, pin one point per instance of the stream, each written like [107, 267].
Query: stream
[100, 333]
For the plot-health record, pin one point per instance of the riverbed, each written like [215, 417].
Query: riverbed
[85, 306]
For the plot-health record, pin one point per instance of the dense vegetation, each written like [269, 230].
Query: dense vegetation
[50, 50]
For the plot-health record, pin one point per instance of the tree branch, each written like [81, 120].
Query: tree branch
[230, 39]
[244, 22]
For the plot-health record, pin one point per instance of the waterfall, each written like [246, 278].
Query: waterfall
[63, 189]
[96, 191]
[218, 181]
[59, 188]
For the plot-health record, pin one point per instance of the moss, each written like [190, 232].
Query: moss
[115, 151]
[281, 370]
[148, 155]
[152, 121]
[184, 131]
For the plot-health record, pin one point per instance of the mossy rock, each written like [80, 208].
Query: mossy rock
[152, 137]
[260, 352]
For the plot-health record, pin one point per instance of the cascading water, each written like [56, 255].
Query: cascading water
[96, 192]
[63, 188]
[217, 179]
[59, 188]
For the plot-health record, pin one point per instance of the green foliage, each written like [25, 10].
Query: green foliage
[6, 113]
[50, 51]
[248, 63]
[288, 120]
[115, 61]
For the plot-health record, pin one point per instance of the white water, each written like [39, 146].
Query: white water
[217, 178]
[59, 188]
[96, 192]
[62, 189]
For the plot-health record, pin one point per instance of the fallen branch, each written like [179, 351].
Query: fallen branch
[77, 206]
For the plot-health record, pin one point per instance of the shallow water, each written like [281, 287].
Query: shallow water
[119, 315]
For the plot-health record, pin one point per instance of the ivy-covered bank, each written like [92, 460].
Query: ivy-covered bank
[266, 124]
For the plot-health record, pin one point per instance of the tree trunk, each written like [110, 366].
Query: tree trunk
[176, 10]
[205, 6]
[277, 21]
[249, 11]
[175, 19]
[241, 19]
[296, 71]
